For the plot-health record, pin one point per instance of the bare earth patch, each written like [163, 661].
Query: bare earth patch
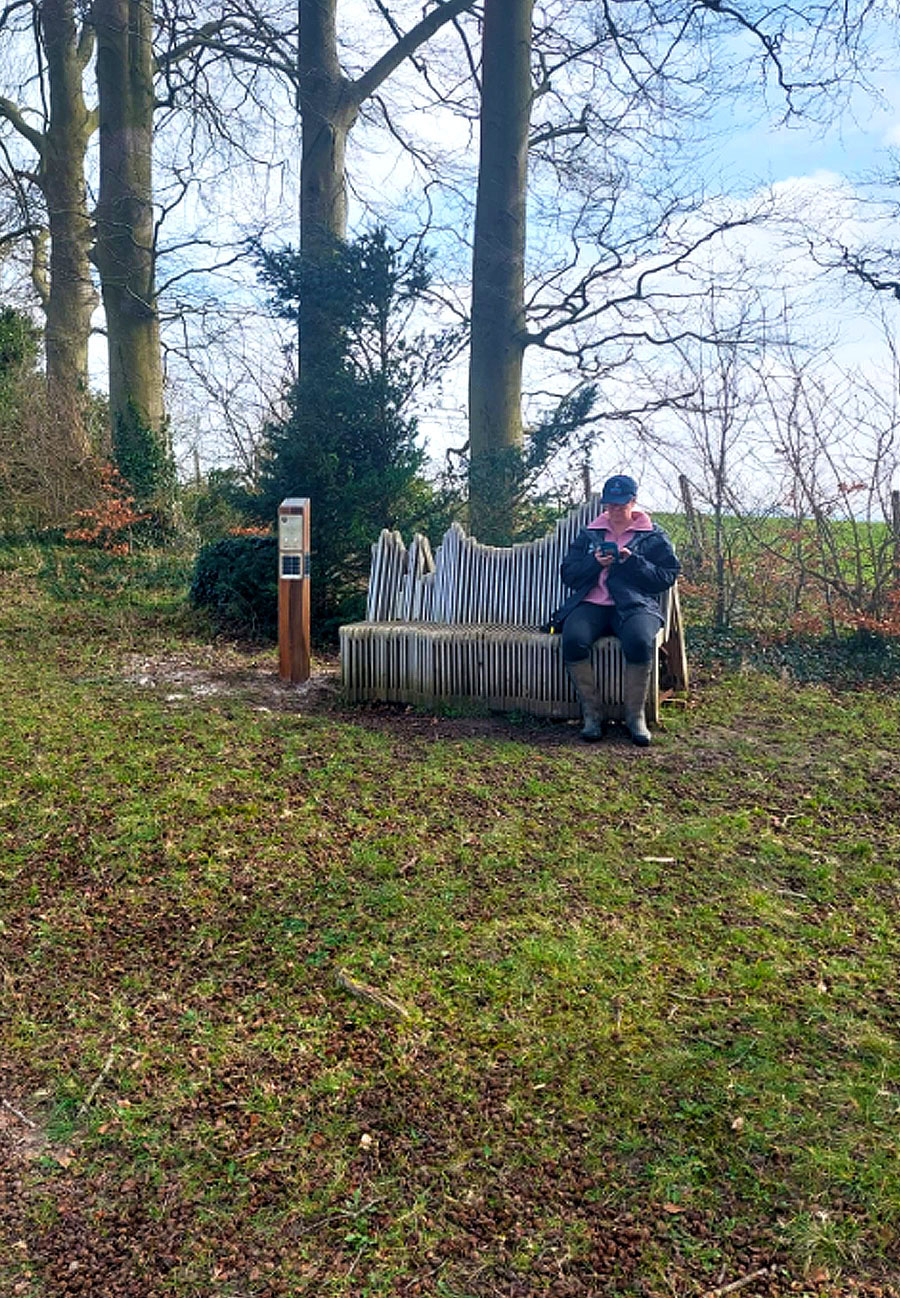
[238, 672]
[227, 671]
[232, 671]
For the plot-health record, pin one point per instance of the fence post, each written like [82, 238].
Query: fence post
[694, 522]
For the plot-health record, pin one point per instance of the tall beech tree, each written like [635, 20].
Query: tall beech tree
[62, 277]
[618, 81]
[498, 336]
[329, 102]
[125, 244]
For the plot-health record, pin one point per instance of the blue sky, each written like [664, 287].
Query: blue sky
[853, 143]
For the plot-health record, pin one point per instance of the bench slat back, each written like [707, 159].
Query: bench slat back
[465, 582]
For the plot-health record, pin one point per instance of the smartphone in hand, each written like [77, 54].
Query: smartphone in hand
[607, 547]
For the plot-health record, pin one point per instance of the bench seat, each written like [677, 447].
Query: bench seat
[506, 668]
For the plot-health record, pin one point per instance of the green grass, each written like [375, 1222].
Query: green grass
[651, 1042]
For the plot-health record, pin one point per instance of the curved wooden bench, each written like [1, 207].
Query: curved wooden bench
[461, 626]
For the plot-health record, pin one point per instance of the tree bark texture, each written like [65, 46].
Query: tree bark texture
[124, 252]
[63, 280]
[498, 271]
[71, 296]
[327, 112]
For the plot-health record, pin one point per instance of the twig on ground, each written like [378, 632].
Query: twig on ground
[21, 1116]
[354, 1264]
[419, 1279]
[98, 1082]
[701, 1000]
[735, 1285]
[364, 992]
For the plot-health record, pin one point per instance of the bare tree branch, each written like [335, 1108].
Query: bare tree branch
[16, 119]
[364, 86]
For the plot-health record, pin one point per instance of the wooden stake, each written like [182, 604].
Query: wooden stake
[694, 521]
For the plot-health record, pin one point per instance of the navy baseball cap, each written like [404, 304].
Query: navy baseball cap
[618, 490]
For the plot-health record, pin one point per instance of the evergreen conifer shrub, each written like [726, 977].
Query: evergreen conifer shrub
[349, 441]
[236, 581]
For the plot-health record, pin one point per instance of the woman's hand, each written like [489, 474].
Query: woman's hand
[625, 554]
[605, 560]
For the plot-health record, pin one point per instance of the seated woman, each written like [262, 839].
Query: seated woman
[617, 566]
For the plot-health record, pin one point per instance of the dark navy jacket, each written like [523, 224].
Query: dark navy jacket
[635, 583]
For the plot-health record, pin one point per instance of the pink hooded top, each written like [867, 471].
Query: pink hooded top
[640, 522]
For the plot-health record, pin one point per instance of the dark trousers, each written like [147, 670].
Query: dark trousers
[588, 622]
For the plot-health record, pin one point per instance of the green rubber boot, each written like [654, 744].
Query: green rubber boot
[637, 678]
[582, 675]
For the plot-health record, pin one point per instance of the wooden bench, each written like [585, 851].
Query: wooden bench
[462, 626]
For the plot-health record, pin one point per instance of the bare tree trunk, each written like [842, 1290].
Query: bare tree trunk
[498, 270]
[327, 112]
[63, 281]
[329, 104]
[71, 297]
[125, 253]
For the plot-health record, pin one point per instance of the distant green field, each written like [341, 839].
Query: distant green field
[789, 580]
